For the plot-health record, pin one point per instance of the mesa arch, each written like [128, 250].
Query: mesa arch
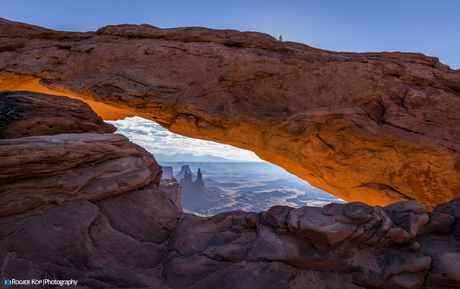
[371, 127]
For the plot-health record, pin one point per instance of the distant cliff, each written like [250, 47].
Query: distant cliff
[167, 172]
[181, 174]
[196, 197]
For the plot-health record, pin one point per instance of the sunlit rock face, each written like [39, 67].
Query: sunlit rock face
[371, 127]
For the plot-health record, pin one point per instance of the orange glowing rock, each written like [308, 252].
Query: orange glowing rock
[373, 127]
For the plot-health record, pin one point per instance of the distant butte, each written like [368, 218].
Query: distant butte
[371, 127]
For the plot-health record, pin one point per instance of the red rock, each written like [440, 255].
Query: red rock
[409, 216]
[445, 270]
[370, 127]
[40, 170]
[98, 216]
[50, 115]
[155, 214]
[401, 270]
[449, 208]
[310, 223]
[172, 188]
[437, 223]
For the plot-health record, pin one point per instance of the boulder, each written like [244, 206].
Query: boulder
[51, 115]
[40, 170]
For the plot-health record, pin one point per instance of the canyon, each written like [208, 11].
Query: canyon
[240, 186]
[78, 201]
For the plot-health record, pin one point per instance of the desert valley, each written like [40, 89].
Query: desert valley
[250, 187]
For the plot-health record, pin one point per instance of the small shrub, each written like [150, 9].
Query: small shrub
[10, 111]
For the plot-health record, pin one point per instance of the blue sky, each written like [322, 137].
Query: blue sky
[430, 27]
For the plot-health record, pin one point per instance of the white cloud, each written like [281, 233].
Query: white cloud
[156, 139]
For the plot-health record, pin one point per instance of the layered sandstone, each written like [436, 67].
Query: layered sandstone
[374, 127]
[51, 115]
[117, 230]
[60, 153]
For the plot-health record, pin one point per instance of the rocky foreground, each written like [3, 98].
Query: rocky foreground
[371, 127]
[79, 202]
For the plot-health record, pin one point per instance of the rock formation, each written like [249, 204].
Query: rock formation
[168, 172]
[185, 169]
[373, 127]
[199, 178]
[63, 116]
[95, 215]
[77, 201]
[339, 246]
[196, 197]
[173, 189]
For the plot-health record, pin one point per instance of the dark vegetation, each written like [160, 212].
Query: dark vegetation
[10, 111]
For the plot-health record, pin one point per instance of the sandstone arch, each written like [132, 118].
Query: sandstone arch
[374, 127]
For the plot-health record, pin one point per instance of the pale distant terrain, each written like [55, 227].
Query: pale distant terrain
[253, 186]
[250, 185]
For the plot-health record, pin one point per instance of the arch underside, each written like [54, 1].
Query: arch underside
[371, 127]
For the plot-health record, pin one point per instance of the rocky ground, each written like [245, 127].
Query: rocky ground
[85, 205]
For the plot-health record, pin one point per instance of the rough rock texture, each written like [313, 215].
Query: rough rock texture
[371, 127]
[50, 115]
[339, 246]
[119, 231]
[39, 170]
[78, 202]
[173, 189]
[53, 167]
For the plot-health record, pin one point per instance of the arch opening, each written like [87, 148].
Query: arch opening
[232, 178]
